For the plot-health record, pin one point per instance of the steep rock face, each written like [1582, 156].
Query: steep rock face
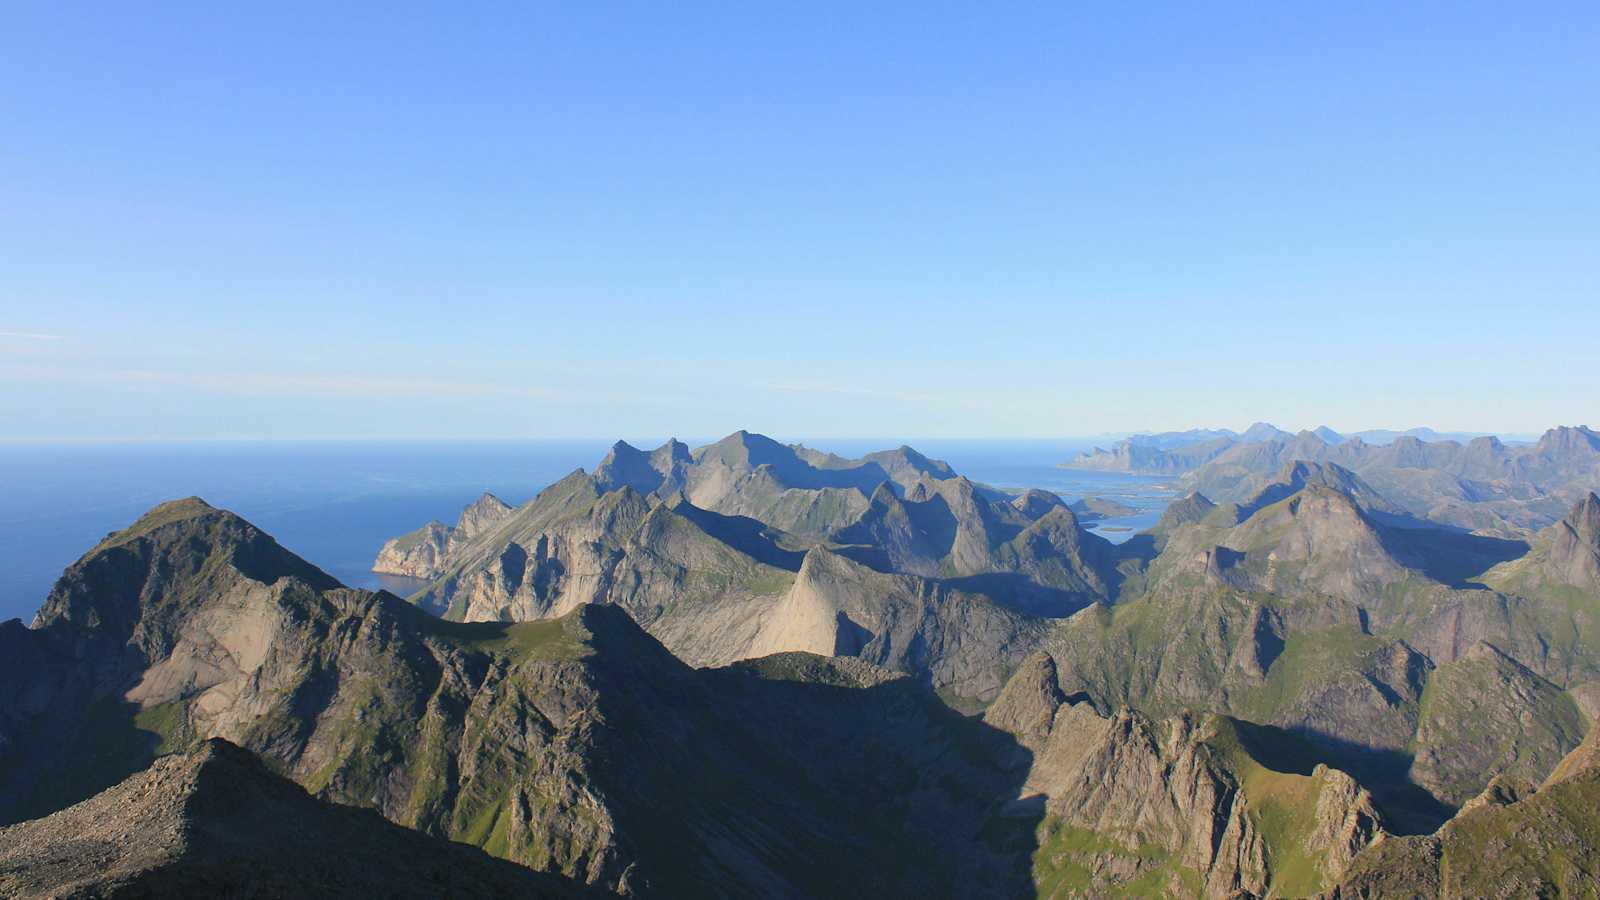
[423, 553]
[1185, 806]
[967, 643]
[1575, 546]
[216, 822]
[428, 551]
[1521, 844]
[1027, 706]
[1486, 715]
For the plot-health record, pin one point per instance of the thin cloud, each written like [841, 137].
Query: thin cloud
[344, 385]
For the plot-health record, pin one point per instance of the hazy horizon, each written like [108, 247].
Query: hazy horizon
[849, 440]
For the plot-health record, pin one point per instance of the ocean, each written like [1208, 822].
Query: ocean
[336, 503]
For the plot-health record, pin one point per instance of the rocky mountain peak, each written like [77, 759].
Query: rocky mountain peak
[673, 451]
[1565, 439]
[1027, 705]
[172, 556]
[1259, 432]
[1190, 509]
[1034, 503]
[1575, 545]
[1584, 519]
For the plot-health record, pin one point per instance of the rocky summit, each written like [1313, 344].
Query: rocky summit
[755, 669]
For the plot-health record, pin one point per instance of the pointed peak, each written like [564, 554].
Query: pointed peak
[674, 450]
[486, 503]
[1260, 432]
[1585, 516]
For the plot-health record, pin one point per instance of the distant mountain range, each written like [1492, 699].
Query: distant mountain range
[754, 669]
[1482, 484]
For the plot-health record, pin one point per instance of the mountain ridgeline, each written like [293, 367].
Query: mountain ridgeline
[747, 547]
[754, 669]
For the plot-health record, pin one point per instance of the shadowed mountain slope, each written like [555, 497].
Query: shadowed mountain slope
[1513, 841]
[216, 822]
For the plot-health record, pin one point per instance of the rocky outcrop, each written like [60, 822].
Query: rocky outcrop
[1511, 842]
[1026, 707]
[216, 822]
[429, 550]
[1182, 806]
[966, 643]
[1486, 715]
[1575, 546]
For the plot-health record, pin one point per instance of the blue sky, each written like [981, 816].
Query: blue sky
[917, 220]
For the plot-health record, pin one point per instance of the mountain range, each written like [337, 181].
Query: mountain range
[754, 669]
[1478, 484]
[747, 547]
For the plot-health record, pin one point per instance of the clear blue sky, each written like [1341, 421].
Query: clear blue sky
[494, 220]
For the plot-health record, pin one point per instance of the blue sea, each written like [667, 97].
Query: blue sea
[336, 503]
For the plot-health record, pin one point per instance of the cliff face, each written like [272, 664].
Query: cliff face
[1575, 546]
[1191, 805]
[1511, 842]
[429, 550]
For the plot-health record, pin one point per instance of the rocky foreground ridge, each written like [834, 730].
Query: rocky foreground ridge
[215, 822]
